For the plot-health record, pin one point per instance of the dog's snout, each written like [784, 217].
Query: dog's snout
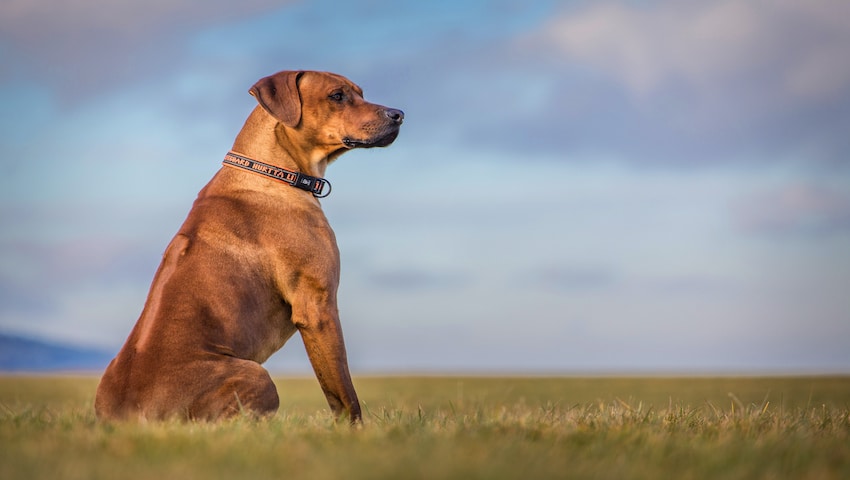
[396, 115]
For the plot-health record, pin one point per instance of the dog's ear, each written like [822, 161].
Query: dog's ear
[278, 95]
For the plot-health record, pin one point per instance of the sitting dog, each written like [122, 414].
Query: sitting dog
[254, 262]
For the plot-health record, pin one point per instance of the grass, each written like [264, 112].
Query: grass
[446, 427]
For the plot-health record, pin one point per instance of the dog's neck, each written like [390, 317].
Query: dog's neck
[319, 187]
[267, 140]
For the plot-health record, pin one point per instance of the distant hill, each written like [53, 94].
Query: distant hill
[18, 354]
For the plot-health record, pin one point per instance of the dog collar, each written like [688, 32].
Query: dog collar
[314, 185]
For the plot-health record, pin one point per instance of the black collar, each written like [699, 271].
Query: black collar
[314, 185]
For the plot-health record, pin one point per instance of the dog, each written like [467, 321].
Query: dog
[254, 262]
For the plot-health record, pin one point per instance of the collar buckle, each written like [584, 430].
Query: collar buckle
[314, 185]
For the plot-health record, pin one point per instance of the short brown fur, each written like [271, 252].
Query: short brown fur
[254, 262]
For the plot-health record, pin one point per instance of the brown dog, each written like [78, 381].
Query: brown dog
[254, 261]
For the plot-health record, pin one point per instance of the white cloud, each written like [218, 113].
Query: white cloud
[798, 208]
[127, 18]
[87, 46]
[796, 47]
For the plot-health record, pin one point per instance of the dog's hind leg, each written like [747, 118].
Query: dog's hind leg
[241, 387]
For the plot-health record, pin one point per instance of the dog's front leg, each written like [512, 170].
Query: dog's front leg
[322, 334]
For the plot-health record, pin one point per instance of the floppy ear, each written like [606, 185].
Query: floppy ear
[278, 95]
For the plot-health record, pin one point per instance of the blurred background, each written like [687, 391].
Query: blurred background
[578, 187]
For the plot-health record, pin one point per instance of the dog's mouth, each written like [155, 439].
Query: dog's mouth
[378, 141]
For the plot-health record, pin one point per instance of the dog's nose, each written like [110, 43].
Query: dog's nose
[397, 116]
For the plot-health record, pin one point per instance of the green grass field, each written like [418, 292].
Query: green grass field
[446, 427]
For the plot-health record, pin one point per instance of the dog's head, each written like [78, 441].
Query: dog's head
[327, 109]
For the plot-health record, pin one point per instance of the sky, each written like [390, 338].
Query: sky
[578, 187]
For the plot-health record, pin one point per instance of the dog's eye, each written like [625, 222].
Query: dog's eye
[337, 96]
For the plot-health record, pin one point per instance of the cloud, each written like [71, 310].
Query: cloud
[796, 209]
[16, 298]
[413, 279]
[679, 83]
[82, 47]
[572, 279]
[48, 248]
[46, 266]
[84, 287]
[796, 47]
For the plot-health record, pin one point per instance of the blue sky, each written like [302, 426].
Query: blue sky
[578, 186]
